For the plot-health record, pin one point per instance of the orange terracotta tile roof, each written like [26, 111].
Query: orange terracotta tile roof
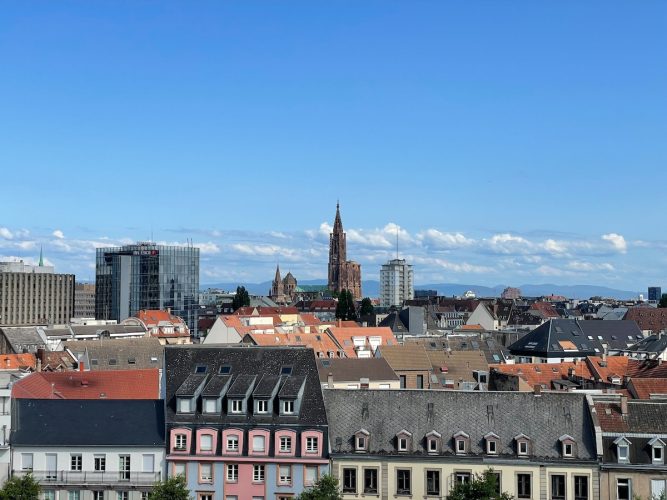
[543, 373]
[470, 327]
[153, 317]
[642, 388]
[322, 344]
[16, 361]
[615, 365]
[114, 384]
[344, 336]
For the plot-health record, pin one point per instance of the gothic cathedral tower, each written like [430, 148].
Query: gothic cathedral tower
[343, 274]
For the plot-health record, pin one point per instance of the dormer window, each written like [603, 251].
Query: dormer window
[288, 407]
[233, 443]
[657, 451]
[180, 441]
[492, 443]
[433, 442]
[236, 406]
[522, 445]
[262, 406]
[403, 441]
[210, 405]
[567, 446]
[461, 443]
[285, 444]
[622, 450]
[361, 440]
[184, 405]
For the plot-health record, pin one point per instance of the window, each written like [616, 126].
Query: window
[51, 495]
[349, 480]
[124, 467]
[580, 487]
[184, 405]
[206, 442]
[76, 462]
[206, 496]
[206, 472]
[144, 495]
[361, 442]
[285, 444]
[100, 463]
[402, 444]
[311, 445]
[462, 477]
[179, 469]
[623, 451]
[232, 472]
[658, 488]
[433, 482]
[210, 405]
[233, 443]
[237, 406]
[180, 442]
[259, 443]
[370, 480]
[403, 486]
[288, 407]
[523, 488]
[491, 447]
[262, 406]
[148, 463]
[97, 495]
[310, 474]
[568, 449]
[523, 448]
[623, 489]
[420, 381]
[258, 473]
[74, 495]
[123, 495]
[26, 461]
[460, 446]
[432, 445]
[657, 454]
[497, 478]
[402, 378]
[557, 487]
[284, 474]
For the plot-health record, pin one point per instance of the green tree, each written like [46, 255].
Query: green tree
[326, 488]
[481, 487]
[241, 299]
[173, 488]
[345, 308]
[366, 307]
[20, 488]
[663, 300]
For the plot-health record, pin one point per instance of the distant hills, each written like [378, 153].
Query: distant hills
[371, 288]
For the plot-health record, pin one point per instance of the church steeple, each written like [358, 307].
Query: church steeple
[338, 224]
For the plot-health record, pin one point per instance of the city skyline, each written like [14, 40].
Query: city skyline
[510, 145]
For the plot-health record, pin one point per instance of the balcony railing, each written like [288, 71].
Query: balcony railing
[91, 477]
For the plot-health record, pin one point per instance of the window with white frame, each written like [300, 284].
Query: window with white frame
[180, 441]
[258, 473]
[622, 450]
[210, 405]
[311, 444]
[100, 463]
[284, 474]
[657, 451]
[205, 472]
[460, 445]
[623, 489]
[288, 407]
[206, 442]
[259, 443]
[237, 406]
[262, 406]
[97, 495]
[51, 495]
[233, 443]
[232, 472]
[76, 462]
[74, 495]
[184, 405]
[285, 444]
[432, 445]
[123, 495]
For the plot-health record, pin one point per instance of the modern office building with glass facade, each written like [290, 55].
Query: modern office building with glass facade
[147, 276]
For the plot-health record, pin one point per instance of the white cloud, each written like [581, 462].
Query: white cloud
[58, 234]
[555, 247]
[617, 241]
[6, 233]
[509, 244]
[439, 239]
[579, 265]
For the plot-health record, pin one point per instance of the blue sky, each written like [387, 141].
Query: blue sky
[511, 142]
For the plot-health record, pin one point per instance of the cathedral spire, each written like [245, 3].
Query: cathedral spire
[338, 224]
[277, 278]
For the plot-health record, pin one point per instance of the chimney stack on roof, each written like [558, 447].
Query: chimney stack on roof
[624, 406]
[330, 381]
[537, 390]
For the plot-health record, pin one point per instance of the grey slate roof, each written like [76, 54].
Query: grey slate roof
[142, 350]
[545, 340]
[246, 363]
[91, 422]
[655, 344]
[354, 369]
[22, 338]
[383, 414]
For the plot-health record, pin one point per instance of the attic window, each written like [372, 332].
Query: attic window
[131, 361]
[622, 450]
[225, 369]
[94, 362]
[201, 369]
[286, 370]
[113, 361]
[462, 442]
[657, 451]
[590, 337]
[153, 359]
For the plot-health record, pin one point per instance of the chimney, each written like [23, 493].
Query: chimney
[81, 366]
[39, 365]
[604, 356]
[330, 381]
[624, 406]
[537, 390]
[340, 323]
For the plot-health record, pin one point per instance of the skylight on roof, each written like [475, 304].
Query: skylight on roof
[286, 370]
[326, 363]
[225, 369]
[201, 369]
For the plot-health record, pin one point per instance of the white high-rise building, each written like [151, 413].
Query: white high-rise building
[396, 283]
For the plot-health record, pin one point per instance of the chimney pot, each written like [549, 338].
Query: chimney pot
[330, 381]
[537, 390]
[624, 405]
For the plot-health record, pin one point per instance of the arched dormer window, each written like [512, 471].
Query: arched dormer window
[361, 440]
[657, 451]
[568, 446]
[404, 441]
[461, 443]
[492, 441]
[523, 445]
[433, 442]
